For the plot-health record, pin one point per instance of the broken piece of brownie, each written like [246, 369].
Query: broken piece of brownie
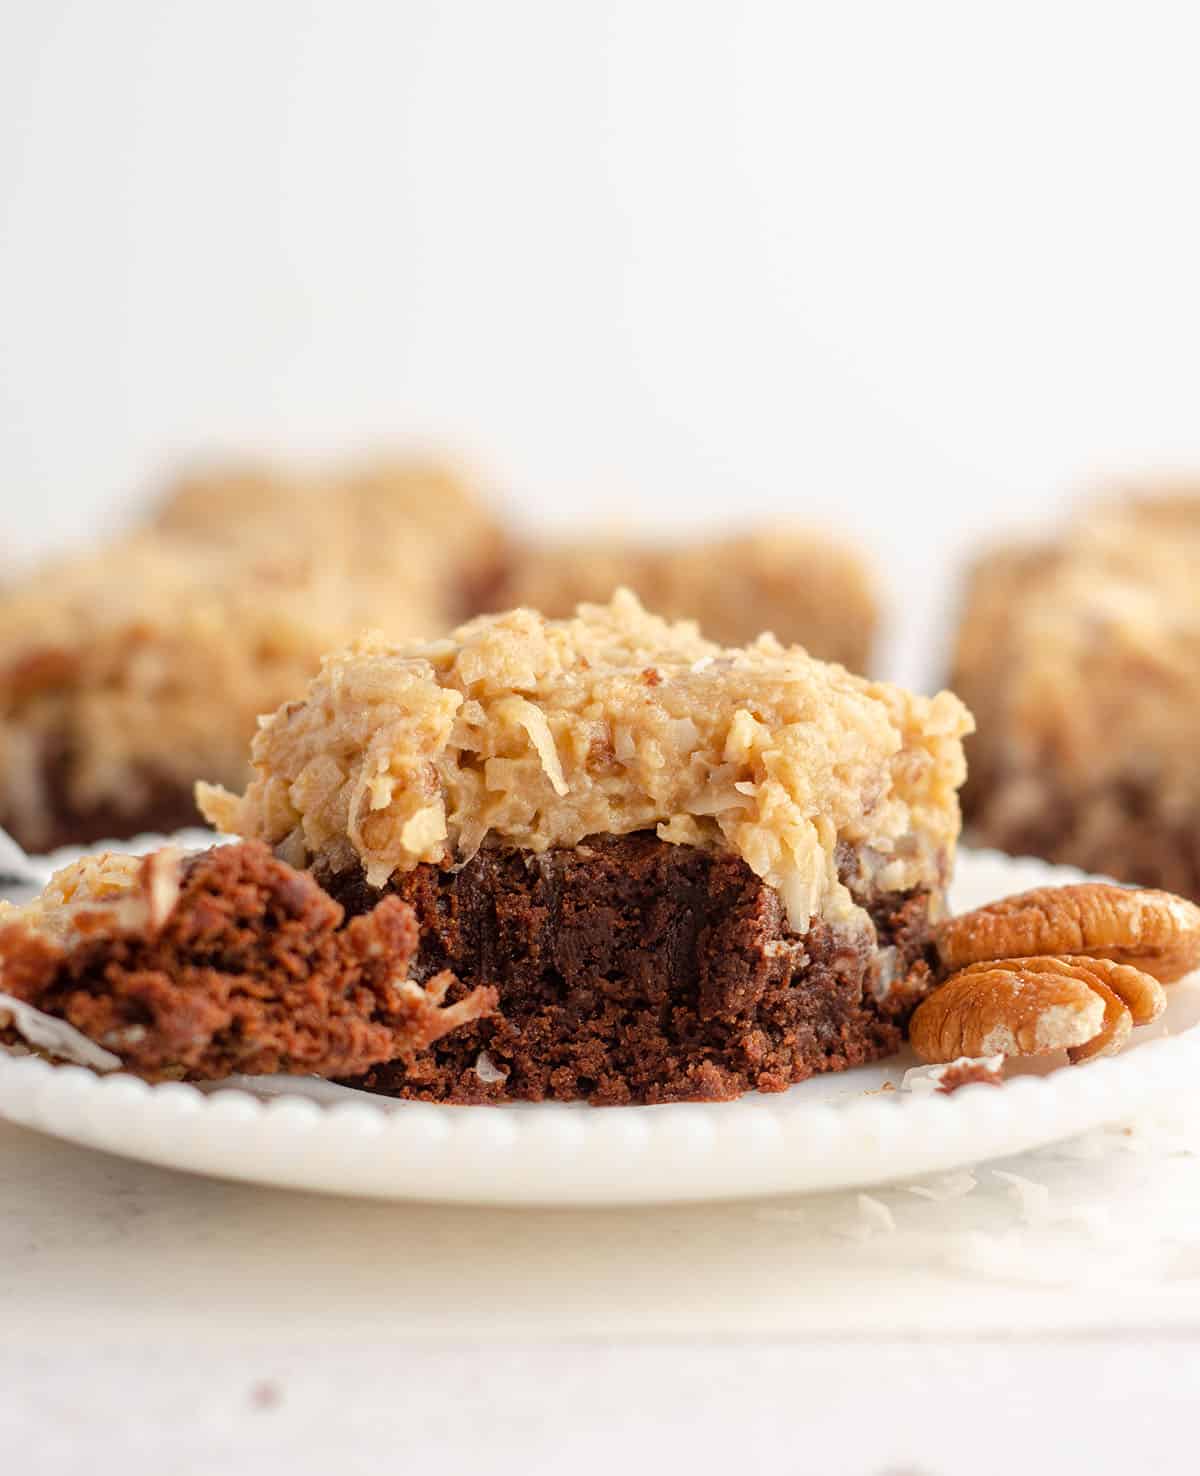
[228, 961]
[689, 871]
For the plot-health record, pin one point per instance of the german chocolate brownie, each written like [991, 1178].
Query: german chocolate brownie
[129, 671]
[1080, 656]
[688, 870]
[413, 524]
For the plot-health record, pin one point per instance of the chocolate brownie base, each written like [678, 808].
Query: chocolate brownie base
[633, 970]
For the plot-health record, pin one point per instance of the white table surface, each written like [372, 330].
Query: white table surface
[155, 1321]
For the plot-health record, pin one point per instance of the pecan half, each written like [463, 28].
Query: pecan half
[1032, 1006]
[1115, 1029]
[1154, 931]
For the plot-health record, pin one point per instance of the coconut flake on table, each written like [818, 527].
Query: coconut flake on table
[945, 1187]
[1035, 1208]
[56, 1037]
[1032, 1198]
[872, 1218]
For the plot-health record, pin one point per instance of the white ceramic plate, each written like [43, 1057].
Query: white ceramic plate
[831, 1132]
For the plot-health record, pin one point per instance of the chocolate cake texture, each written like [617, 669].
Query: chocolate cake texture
[629, 969]
[227, 961]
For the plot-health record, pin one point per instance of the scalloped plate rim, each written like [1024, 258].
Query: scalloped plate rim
[828, 1133]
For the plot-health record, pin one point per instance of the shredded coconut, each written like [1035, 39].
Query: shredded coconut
[872, 1218]
[541, 732]
[108, 892]
[945, 1187]
[56, 1037]
[533, 720]
[487, 1071]
[1032, 1198]
[1035, 1208]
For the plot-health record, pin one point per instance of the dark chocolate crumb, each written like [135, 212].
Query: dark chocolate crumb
[969, 1074]
[630, 969]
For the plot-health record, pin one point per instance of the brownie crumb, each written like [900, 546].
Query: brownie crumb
[969, 1073]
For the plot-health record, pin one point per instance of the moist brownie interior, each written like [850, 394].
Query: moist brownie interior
[633, 970]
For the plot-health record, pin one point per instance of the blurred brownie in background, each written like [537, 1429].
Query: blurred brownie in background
[804, 587]
[1080, 657]
[409, 518]
[131, 671]
[128, 673]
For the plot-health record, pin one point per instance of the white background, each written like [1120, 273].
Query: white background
[918, 269]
